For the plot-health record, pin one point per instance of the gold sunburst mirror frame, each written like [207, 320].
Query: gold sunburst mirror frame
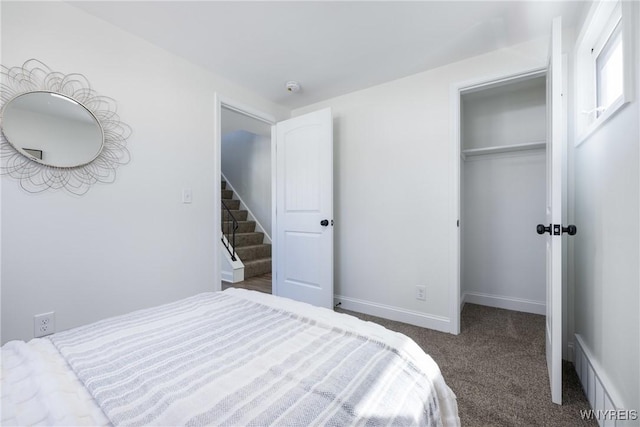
[57, 132]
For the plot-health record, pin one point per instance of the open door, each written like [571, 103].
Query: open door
[555, 148]
[304, 209]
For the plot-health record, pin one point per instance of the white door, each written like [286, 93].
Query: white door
[303, 244]
[555, 147]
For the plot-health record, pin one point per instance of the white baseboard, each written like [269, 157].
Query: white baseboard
[508, 303]
[423, 320]
[601, 394]
[463, 301]
[234, 276]
[226, 276]
[571, 352]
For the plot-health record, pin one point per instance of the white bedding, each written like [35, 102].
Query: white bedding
[40, 388]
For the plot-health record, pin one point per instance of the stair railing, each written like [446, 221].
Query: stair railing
[229, 227]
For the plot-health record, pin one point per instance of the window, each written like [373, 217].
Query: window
[609, 73]
[603, 65]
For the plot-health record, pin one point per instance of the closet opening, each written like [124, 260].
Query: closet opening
[502, 181]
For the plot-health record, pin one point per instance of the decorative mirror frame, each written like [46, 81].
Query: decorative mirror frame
[35, 177]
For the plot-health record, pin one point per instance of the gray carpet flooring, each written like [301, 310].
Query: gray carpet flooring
[497, 368]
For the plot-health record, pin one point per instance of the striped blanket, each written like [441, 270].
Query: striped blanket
[240, 359]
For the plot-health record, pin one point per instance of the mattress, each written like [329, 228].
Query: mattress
[228, 358]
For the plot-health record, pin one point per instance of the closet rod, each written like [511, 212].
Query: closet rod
[504, 149]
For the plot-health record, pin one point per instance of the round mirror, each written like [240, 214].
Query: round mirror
[52, 129]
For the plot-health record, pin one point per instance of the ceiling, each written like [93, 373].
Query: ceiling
[330, 48]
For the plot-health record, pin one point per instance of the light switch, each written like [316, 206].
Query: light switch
[186, 195]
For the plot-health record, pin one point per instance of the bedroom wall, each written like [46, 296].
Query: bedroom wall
[607, 249]
[393, 203]
[246, 162]
[130, 244]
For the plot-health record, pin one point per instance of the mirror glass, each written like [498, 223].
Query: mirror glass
[52, 129]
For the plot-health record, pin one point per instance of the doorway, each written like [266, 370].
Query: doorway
[302, 194]
[245, 203]
[500, 162]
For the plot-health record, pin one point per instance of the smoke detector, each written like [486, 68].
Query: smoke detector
[293, 86]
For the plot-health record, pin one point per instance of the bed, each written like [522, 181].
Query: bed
[236, 358]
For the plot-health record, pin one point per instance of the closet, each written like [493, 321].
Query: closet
[503, 194]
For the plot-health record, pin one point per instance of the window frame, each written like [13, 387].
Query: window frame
[604, 20]
[600, 60]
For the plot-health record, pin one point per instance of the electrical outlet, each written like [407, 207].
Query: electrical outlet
[187, 196]
[44, 324]
[421, 293]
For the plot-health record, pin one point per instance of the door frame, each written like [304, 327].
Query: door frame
[221, 101]
[457, 90]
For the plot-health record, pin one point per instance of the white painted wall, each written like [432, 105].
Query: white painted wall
[392, 187]
[503, 258]
[246, 163]
[130, 244]
[607, 247]
[509, 114]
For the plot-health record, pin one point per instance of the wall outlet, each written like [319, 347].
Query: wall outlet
[187, 196]
[44, 324]
[421, 293]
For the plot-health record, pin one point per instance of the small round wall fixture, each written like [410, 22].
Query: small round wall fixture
[57, 132]
[293, 86]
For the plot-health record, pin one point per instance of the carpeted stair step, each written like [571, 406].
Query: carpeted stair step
[243, 226]
[232, 205]
[253, 252]
[238, 215]
[256, 267]
[255, 255]
[248, 239]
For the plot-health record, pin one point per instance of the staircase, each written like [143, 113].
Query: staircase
[255, 255]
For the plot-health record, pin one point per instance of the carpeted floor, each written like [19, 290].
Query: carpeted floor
[497, 368]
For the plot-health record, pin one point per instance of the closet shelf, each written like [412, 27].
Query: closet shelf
[503, 149]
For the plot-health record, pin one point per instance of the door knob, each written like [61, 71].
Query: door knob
[571, 229]
[324, 222]
[541, 229]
